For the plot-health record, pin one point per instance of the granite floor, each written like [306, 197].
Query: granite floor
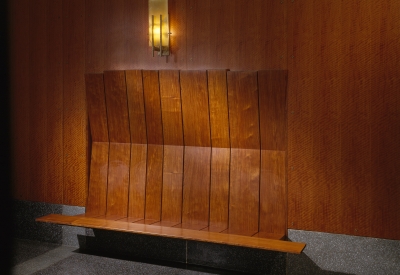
[33, 257]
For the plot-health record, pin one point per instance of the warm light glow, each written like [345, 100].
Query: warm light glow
[159, 31]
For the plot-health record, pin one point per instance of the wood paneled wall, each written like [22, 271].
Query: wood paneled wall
[342, 57]
[344, 117]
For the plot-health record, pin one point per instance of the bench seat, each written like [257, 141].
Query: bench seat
[179, 233]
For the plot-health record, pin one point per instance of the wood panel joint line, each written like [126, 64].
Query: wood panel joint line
[260, 163]
[211, 151]
[130, 147]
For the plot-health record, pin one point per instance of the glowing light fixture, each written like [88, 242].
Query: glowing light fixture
[159, 27]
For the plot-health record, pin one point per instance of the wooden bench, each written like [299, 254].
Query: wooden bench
[195, 155]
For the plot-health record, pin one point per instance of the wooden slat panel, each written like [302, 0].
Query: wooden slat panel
[219, 193]
[38, 101]
[94, 34]
[54, 187]
[196, 186]
[96, 105]
[244, 193]
[272, 103]
[218, 100]
[75, 134]
[172, 184]
[243, 110]
[97, 195]
[154, 182]
[196, 122]
[137, 118]
[273, 198]
[171, 107]
[118, 179]
[117, 106]
[153, 107]
[137, 182]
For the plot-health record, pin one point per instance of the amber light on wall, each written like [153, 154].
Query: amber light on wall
[159, 27]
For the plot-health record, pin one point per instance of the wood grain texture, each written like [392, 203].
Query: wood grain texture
[273, 196]
[75, 132]
[19, 48]
[54, 187]
[172, 184]
[243, 110]
[94, 36]
[218, 100]
[339, 176]
[196, 186]
[154, 182]
[96, 105]
[171, 107]
[272, 104]
[38, 100]
[117, 106]
[137, 181]
[244, 194]
[97, 194]
[195, 110]
[137, 116]
[118, 179]
[153, 107]
[115, 47]
[219, 190]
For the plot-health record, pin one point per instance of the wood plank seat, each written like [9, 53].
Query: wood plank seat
[195, 155]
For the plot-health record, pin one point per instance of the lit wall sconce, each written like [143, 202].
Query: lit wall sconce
[159, 26]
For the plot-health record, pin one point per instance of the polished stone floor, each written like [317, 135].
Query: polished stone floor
[32, 257]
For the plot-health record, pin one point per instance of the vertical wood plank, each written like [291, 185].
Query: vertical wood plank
[244, 196]
[173, 148]
[219, 190]
[300, 111]
[245, 163]
[54, 187]
[172, 185]
[153, 107]
[137, 117]
[171, 107]
[117, 106]
[195, 110]
[137, 182]
[272, 104]
[385, 118]
[196, 187]
[273, 198]
[355, 128]
[118, 180]
[154, 183]
[96, 105]
[218, 100]
[243, 110]
[94, 36]
[20, 107]
[97, 195]
[38, 100]
[75, 134]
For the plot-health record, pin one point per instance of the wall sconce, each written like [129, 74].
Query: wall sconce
[159, 26]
